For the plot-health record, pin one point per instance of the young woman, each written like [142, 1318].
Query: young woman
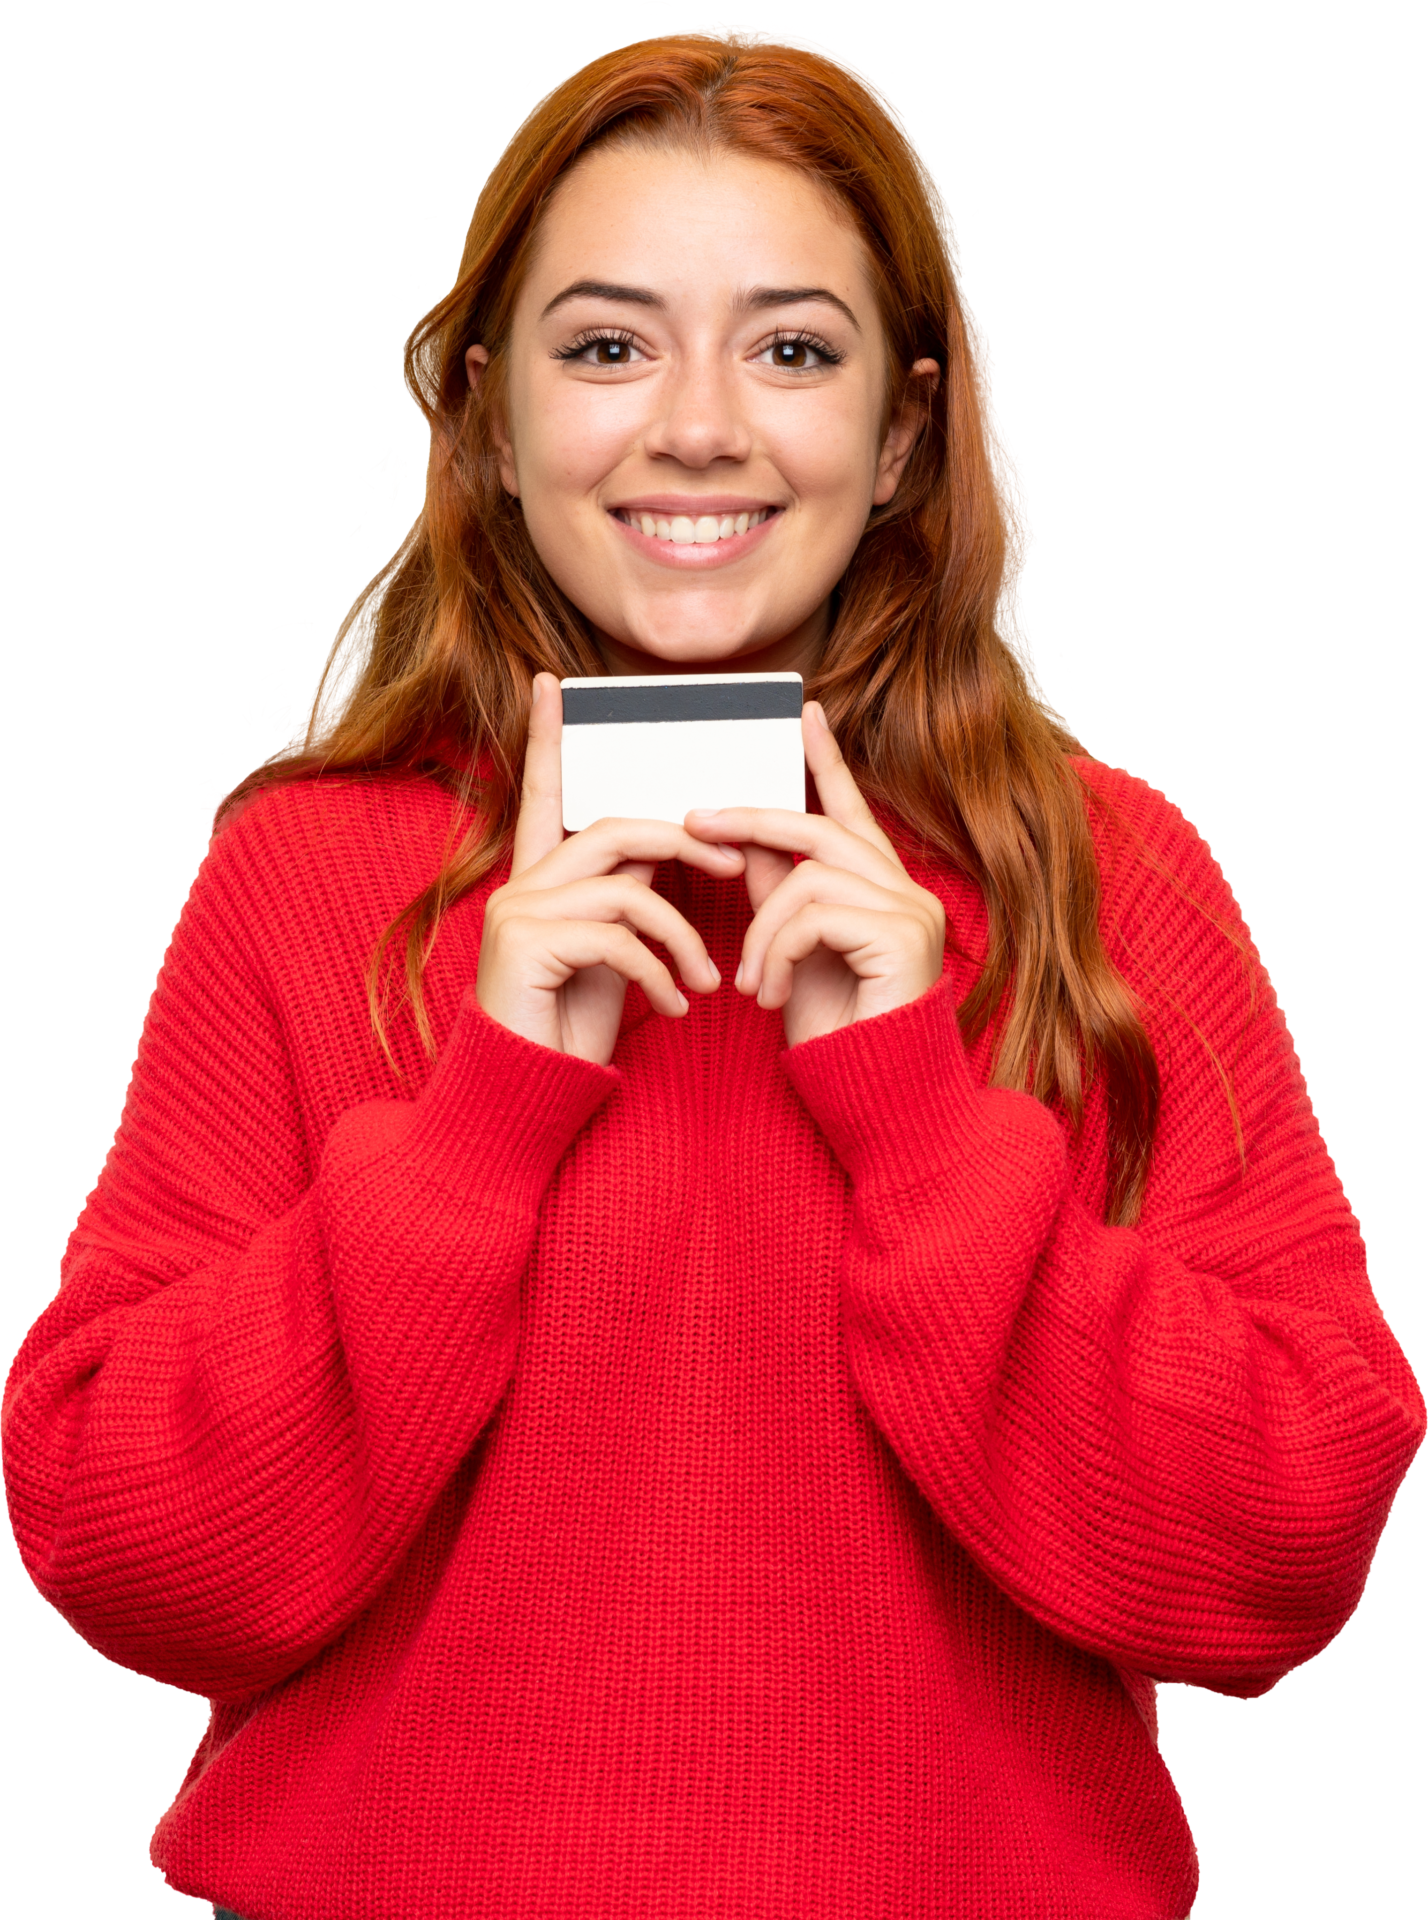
[609, 1453]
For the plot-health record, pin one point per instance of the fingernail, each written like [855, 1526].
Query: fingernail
[714, 973]
[819, 716]
[702, 813]
[739, 976]
[724, 847]
[683, 1003]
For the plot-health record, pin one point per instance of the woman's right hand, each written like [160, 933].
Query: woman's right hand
[560, 939]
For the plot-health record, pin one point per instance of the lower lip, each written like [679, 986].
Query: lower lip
[716, 553]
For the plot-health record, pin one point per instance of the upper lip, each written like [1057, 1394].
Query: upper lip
[692, 505]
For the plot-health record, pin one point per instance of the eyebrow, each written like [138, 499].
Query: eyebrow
[755, 299]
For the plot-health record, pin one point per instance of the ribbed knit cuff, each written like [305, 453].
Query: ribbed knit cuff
[500, 1110]
[895, 1094]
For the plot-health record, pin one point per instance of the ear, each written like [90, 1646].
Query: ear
[906, 424]
[477, 359]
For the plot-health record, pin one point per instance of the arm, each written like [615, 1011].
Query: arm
[257, 1377]
[1174, 1446]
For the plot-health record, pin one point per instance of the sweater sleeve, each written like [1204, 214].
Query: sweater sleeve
[1175, 1446]
[257, 1376]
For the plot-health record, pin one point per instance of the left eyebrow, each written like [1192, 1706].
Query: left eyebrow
[760, 297]
[756, 299]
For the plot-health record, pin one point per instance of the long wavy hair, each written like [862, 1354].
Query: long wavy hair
[931, 708]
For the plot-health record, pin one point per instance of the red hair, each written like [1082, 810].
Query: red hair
[931, 708]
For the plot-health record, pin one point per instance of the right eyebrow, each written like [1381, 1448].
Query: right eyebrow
[602, 290]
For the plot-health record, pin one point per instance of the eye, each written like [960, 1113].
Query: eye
[798, 353]
[601, 349]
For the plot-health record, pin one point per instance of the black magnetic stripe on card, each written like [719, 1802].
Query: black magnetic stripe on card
[724, 700]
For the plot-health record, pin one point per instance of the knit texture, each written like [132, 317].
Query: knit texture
[737, 1484]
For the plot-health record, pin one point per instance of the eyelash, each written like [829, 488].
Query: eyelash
[593, 337]
[596, 336]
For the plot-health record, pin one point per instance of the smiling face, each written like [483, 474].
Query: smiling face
[695, 406]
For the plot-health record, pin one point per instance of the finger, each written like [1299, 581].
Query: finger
[615, 899]
[539, 827]
[763, 871]
[812, 834]
[872, 945]
[609, 844]
[572, 945]
[809, 884]
[838, 792]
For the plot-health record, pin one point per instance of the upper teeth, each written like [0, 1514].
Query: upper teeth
[685, 532]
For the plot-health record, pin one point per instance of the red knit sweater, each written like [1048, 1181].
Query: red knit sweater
[739, 1484]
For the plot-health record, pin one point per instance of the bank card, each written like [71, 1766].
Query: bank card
[653, 748]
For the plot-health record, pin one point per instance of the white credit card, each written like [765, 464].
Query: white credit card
[652, 749]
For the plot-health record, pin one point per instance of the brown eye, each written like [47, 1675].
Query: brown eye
[798, 353]
[594, 349]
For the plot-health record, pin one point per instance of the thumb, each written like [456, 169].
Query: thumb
[538, 825]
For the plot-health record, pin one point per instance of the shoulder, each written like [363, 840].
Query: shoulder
[329, 812]
[1126, 792]
[1150, 857]
[333, 852]
[1129, 816]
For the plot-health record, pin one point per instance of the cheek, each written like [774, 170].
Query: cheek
[569, 437]
[828, 448]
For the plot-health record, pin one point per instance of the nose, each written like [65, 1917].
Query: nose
[700, 419]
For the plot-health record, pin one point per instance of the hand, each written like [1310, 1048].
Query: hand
[844, 935]
[560, 938]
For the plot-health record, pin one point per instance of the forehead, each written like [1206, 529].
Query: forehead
[692, 224]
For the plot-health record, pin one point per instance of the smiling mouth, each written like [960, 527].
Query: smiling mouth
[682, 530]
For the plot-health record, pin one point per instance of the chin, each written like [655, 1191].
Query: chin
[694, 649]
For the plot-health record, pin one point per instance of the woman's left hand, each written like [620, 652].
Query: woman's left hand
[844, 935]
